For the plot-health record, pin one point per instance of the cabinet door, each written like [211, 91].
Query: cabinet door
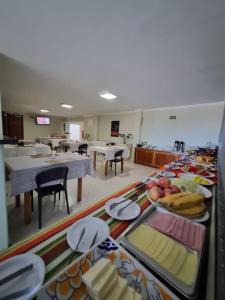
[163, 158]
[144, 156]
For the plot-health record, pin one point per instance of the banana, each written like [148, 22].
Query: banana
[182, 200]
[188, 201]
[192, 212]
[168, 200]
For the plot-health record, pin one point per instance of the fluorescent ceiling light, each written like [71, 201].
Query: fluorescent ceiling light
[44, 110]
[107, 95]
[66, 105]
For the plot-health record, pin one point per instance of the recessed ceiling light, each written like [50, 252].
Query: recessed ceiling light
[44, 110]
[66, 105]
[107, 95]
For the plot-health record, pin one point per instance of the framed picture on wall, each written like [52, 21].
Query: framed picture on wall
[115, 126]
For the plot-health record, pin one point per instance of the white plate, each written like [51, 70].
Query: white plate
[202, 219]
[129, 213]
[189, 176]
[210, 175]
[30, 281]
[201, 189]
[92, 225]
[166, 174]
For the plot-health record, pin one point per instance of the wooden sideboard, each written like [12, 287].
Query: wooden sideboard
[153, 158]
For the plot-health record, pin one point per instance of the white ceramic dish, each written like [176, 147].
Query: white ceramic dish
[210, 175]
[129, 213]
[166, 174]
[28, 283]
[190, 176]
[92, 225]
[202, 219]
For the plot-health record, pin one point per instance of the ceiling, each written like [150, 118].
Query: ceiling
[151, 53]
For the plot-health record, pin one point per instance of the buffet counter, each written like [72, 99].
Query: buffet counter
[63, 274]
[154, 158]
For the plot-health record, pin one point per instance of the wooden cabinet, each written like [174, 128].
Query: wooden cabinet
[154, 158]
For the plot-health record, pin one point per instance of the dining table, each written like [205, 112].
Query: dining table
[108, 154]
[74, 146]
[23, 170]
[27, 149]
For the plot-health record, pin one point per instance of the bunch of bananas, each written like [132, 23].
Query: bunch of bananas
[190, 205]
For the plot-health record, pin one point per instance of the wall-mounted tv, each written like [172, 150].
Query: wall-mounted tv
[40, 120]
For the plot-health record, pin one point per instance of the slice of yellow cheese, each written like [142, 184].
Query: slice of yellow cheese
[119, 290]
[166, 251]
[168, 262]
[188, 271]
[94, 273]
[130, 294]
[104, 280]
[141, 237]
[181, 257]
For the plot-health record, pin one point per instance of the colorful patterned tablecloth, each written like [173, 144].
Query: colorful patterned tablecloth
[51, 244]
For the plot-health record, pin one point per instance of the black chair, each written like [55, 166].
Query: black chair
[117, 158]
[82, 149]
[48, 176]
[110, 144]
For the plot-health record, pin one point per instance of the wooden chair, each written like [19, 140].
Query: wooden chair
[117, 158]
[44, 177]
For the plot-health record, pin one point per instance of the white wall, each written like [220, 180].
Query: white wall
[3, 211]
[129, 123]
[32, 130]
[91, 127]
[194, 125]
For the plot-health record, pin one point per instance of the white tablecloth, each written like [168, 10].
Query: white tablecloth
[24, 169]
[74, 146]
[109, 152]
[55, 142]
[14, 150]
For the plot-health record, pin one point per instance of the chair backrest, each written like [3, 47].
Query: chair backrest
[52, 175]
[110, 144]
[83, 147]
[119, 153]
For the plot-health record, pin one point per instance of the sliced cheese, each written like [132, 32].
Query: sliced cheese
[168, 262]
[94, 273]
[141, 237]
[188, 271]
[166, 251]
[181, 257]
[105, 280]
[119, 290]
[130, 294]
[162, 246]
[152, 248]
[104, 293]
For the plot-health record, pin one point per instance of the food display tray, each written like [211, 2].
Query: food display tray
[189, 291]
[68, 283]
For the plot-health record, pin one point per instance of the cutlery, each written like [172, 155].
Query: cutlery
[16, 274]
[113, 205]
[122, 209]
[94, 239]
[80, 239]
[18, 294]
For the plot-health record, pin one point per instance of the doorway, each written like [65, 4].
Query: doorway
[74, 130]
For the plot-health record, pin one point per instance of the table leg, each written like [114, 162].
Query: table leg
[27, 208]
[94, 159]
[122, 164]
[106, 167]
[17, 200]
[79, 189]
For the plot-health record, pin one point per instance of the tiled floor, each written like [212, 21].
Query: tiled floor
[94, 189]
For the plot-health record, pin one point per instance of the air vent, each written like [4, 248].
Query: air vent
[172, 117]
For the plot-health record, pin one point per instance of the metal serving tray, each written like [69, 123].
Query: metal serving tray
[189, 291]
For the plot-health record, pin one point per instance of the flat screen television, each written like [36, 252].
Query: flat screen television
[40, 120]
